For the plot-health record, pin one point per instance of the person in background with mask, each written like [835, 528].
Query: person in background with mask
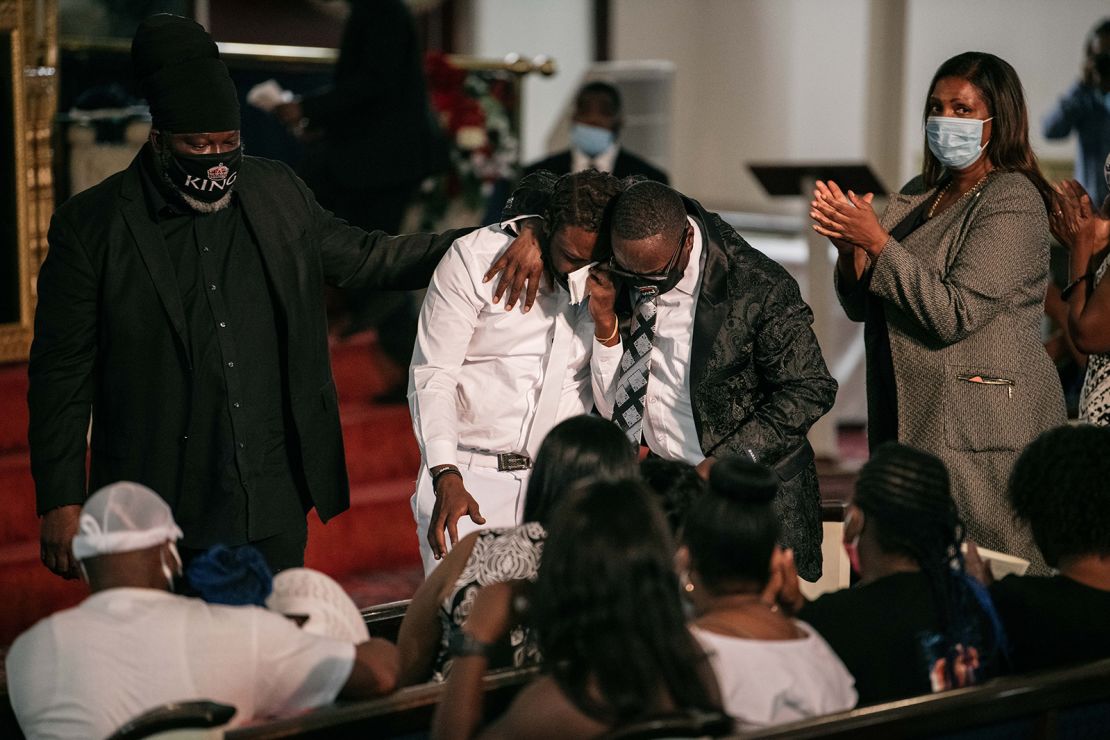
[487, 384]
[950, 284]
[594, 139]
[1085, 109]
[181, 307]
[721, 358]
[133, 645]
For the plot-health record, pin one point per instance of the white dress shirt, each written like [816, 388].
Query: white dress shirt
[604, 162]
[477, 369]
[669, 428]
[85, 671]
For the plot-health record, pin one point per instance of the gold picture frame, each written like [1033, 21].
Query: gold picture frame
[29, 50]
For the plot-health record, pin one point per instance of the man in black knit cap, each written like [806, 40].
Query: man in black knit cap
[181, 307]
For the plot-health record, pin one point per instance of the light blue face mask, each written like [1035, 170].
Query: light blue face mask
[591, 140]
[955, 141]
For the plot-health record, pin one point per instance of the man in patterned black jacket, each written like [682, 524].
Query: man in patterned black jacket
[733, 367]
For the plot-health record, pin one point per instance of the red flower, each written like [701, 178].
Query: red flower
[441, 74]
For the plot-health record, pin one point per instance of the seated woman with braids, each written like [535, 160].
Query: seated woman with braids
[609, 622]
[771, 669]
[915, 623]
[579, 447]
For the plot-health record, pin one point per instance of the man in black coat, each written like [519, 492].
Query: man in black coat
[181, 306]
[722, 358]
[594, 135]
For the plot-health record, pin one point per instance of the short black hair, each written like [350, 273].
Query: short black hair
[597, 87]
[1102, 28]
[583, 199]
[646, 209]
[1060, 486]
[732, 530]
[676, 485]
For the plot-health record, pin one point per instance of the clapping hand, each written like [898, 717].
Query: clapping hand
[848, 220]
[1073, 220]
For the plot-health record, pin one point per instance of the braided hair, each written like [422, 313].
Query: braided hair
[583, 199]
[905, 494]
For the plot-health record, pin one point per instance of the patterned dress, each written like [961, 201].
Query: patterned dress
[1094, 401]
[499, 555]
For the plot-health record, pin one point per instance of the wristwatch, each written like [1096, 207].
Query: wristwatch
[463, 644]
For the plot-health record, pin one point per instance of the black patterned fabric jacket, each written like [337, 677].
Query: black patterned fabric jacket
[757, 377]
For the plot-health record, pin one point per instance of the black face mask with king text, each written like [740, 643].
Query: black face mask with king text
[206, 177]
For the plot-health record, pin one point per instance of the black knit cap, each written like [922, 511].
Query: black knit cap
[182, 77]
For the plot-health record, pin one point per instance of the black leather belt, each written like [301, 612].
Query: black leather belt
[513, 461]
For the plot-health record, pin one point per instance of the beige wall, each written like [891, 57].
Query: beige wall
[1042, 39]
[812, 79]
[757, 80]
[561, 29]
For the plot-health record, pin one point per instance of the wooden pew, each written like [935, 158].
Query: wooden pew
[406, 711]
[1067, 703]
[384, 620]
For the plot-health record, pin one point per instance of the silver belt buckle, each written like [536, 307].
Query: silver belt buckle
[507, 461]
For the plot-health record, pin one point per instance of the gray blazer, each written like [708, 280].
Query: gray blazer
[963, 298]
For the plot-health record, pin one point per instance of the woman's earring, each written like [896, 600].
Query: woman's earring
[685, 582]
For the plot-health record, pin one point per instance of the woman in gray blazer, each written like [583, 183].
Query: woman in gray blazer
[950, 284]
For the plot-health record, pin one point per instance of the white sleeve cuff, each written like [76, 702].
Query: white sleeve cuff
[441, 452]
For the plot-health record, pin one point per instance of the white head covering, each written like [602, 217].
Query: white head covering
[123, 517]
[330, 610]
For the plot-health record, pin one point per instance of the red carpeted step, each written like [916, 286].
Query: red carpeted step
[379, 442]
[361, 370]
[377, 533]
[30, 591]
[18, 522]
[13, 408]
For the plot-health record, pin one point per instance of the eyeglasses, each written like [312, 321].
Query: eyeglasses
[651, 278]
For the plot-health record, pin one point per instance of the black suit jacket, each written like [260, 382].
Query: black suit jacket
[626, 165]
[110, 332]
[758, 380]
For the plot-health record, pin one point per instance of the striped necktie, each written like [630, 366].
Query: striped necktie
[628, 413]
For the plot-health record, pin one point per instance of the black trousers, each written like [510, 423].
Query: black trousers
[281, 551]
